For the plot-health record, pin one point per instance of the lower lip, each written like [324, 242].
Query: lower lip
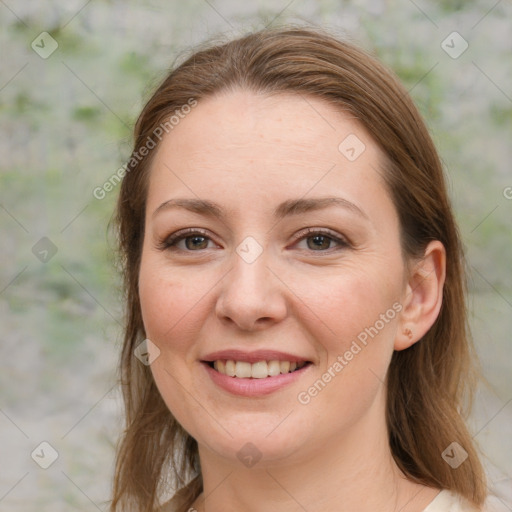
[254, 387]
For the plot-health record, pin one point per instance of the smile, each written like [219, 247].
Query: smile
[257, 370]
[256, 378]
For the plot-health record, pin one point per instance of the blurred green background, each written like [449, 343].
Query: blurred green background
[66, 119]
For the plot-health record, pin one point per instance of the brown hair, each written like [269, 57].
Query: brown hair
[430, 385]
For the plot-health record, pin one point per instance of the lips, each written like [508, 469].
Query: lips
[252, 387]
[254, 365]
[254, 374]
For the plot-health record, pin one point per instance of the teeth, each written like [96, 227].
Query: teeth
[230, 368]
[259, 370]
[242, 369]
[274, 368]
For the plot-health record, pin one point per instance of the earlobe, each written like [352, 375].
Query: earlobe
[405, 338]
[423, 296]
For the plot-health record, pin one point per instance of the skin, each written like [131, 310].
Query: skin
[248, 153]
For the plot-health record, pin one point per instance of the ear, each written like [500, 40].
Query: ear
[423, 296]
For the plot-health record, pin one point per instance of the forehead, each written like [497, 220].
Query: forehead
[236, 121]
[271, 147]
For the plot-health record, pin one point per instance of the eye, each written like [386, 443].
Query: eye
[320, 240]
[196, 240]
[190, 240]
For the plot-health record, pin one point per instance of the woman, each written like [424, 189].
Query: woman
[293, 265]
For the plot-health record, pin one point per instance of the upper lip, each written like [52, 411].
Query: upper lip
[252, 357]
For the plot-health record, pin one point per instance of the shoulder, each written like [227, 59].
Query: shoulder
[449, 501]
[495, 504]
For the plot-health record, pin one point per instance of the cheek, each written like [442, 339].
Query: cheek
[171, 306]
[354, 312]
[167, 299]
[354, 323]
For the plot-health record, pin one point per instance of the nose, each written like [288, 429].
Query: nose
[251, 296]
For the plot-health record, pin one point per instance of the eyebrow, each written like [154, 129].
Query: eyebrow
[298, 206]
[285, 209]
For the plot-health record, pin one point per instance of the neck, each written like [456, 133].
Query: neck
[353, 472]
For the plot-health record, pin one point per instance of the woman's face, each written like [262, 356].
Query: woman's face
[271, 241]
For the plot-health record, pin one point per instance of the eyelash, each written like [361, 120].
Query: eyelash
[170, 242]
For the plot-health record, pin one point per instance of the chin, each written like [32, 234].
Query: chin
[258, 443]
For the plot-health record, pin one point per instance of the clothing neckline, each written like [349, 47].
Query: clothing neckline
[440, 499]
[448, 501]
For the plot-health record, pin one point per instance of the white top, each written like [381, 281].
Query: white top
[445, 501]
[448, 501]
